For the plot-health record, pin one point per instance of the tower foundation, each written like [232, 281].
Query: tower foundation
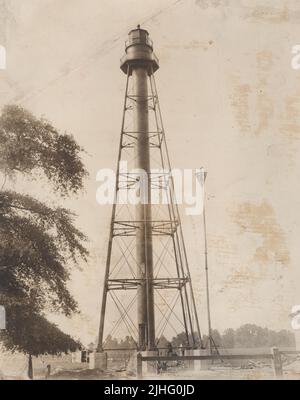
[98, 361]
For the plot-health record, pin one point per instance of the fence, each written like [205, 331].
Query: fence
[274, 356]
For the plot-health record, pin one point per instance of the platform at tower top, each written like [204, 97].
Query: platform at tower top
[139, 52]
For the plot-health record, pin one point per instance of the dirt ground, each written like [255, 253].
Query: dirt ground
[63, 369]
[291, 371]
[212, 374]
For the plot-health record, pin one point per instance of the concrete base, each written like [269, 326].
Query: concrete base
[146, 367]
[98, 361]
[190, 364]
[202, 364]
[132, 363]
[150, 367]
[197, 365]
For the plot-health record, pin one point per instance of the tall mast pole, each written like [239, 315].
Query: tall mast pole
[202, 177]
[207, 280]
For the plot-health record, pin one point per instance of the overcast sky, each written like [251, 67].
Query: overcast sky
[230, 102]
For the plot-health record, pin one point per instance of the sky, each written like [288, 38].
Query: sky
[230, 103]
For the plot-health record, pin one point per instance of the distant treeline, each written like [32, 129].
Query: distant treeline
[248, 335]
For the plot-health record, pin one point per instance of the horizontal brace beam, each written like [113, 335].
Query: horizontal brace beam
[136, 96]
[130, 133]
[132, 146]
[153, 234]
[158, 283]
[129, 228]
[162, 287]
[131, 223]
[209, 357]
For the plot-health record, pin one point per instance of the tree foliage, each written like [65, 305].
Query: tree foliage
[29, 144]
[39, 244]
[125, 343]
[247, 336]
[33, 334]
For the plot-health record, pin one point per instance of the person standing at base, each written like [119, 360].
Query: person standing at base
[48, 372]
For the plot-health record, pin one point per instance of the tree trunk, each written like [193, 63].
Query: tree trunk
[30, 367]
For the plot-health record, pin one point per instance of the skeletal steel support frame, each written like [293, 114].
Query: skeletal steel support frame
[140, 63]
[111, 234]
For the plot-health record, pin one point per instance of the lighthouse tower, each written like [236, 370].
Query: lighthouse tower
[147, 289]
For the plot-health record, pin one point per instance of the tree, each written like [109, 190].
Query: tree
[228, 338]
[127, 343]
[111, 343]
[39, 244]
[163, 342]
[217, 338]
[28, 144]
[33, 334]
[284, 338]
[250, 335]
[179, 340]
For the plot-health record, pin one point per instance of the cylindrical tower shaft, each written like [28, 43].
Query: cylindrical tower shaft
[145, 297]
[140, 62]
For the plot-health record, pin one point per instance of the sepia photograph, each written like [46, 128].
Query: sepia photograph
[149, 192]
